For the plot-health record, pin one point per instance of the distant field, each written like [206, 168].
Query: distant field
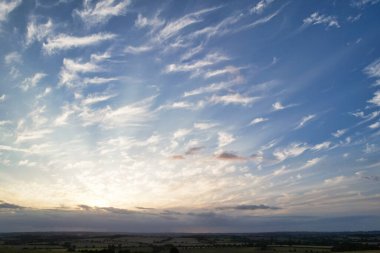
[4, 249]
[221, 250]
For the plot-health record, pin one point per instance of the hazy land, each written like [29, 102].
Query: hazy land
[191, 243]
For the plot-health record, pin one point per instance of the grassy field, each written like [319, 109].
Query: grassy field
[224, 243]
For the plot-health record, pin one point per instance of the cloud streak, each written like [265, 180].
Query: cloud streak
[65, 42]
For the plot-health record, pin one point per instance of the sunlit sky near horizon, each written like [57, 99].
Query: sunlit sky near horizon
[189, 116]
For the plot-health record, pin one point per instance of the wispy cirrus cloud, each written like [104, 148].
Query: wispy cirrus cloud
[2, 98]
[373, 71]
[234, 98]
[13, 58]
[137, 50]
[172, 28]
[312, 162]
[204, 125]
[154, 23]
[226, 70]
[97, 98]
[38, 31]
[135, 114]
[376, 99]
[13, 149]
[260, 6]
[101, 12]
[225, 139]
[256, 121]
[71, 69]
[30, 135]
[374, 125]
[320, 19]
[99, 80]
[293, 150]
[7, 7]
[363, 3]
[305, 120]
[197, 65]
[259, 22]
[213, 87]
[321, 146]
[32, 81]
[278, 106]
[339, 133]
[65, 42]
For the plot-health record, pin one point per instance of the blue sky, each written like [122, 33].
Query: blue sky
[189, 116]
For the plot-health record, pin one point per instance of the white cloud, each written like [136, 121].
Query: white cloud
[64, 41]
[5, 122]
[259, 21]
[38, 32]
[2, 98]
[293, 150]
[374, 125]
[305, 120]
[321, 146]
[226, 70]
[9, 148]
[257, 121]
[180, 133]
[311, 163]
[370, 148]
[6, 7]
[204, 125]
[362, 3]
[280, 171]
[260, 6]
[66, 112]
[339, 133]
[99, 13]
[154, 23]
[32, 81]
[353, 19]
[192, 52]
[334, 180]
[27, 163]
[32, 135]
[137, 50]
[211, 88]
[373, 71]
[135, 114]
[224, 139]
[100, 57]
[376, 99]
[71, 68]
[235, 98]
[174, 27]
[222, 28]
[208, 60]
[316, 19]
[46, 92]
[278, 106]
[13, 58]
[181, 104]
[99, 80]
[96, 98]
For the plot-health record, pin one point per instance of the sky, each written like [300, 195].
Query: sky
[189, 116]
